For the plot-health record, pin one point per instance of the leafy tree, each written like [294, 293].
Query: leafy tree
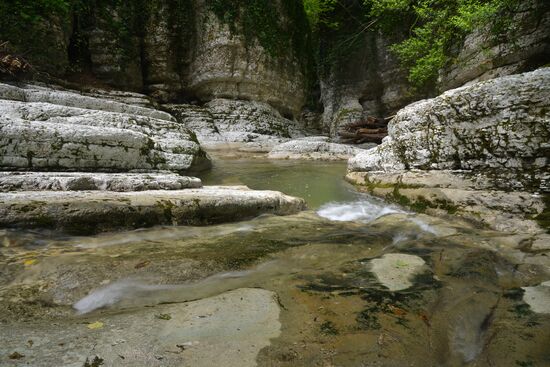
[437, 25]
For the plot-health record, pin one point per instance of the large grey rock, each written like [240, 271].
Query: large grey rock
[43, 129]
[223, 121]
[76, 181]
[500, 126]
[313, 149]
[94, 211]
[227, 64]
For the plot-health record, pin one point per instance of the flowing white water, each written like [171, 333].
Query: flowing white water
[131, 292]
[361, 210]
[114, 293]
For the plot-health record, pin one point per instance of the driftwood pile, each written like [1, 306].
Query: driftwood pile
[12, 65]
[369, 130]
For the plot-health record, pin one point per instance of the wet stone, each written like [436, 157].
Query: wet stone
[396, 271]
[538, 297]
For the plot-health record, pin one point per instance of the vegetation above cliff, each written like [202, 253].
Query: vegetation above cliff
[438, 24]
[424, 31]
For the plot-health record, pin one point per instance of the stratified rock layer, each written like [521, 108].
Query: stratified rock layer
[223, 121]
[95, 211]
[499, 127]
[479, 151]
[45, 129]
[313, 148]
[77, 181]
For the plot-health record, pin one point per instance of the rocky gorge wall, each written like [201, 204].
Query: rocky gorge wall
[174, 49]
[500, 128]
[480, 151]
[369, 81]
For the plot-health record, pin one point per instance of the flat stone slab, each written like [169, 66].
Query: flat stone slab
[96, 211]
[396, 271]
[226, 330]
[74, 181]
[313, 148]
[538, 297]
[462, 193]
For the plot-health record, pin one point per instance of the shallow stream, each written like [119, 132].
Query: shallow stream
[450, 295]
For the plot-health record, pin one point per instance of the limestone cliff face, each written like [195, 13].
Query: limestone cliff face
[177, 50]
[369, 82]
[225, 65]
[499, 128]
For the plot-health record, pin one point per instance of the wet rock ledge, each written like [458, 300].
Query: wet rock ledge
[96, 211]
[100, 161]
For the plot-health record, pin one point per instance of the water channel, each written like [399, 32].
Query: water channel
[452, 296]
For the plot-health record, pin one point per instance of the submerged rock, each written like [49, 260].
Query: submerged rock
[76, 181]
[538, 297]
[226, 330]
[45, 129]
[396, 271]
[95, 211]
[313, 148]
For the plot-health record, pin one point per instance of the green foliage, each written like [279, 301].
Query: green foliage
[24, 12]
[25, 24]
[437, 25]
[318, 12]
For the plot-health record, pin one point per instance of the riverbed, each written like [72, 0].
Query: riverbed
[352, 281]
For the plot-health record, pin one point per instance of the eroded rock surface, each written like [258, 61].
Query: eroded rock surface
[45, 129]
[223, 121]
[76, 181]
[497, 126]
[396, 271]
[95, 211]
[538, 297]
[479, 151]
[313, 148]
[227, 330]
[456, 192]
